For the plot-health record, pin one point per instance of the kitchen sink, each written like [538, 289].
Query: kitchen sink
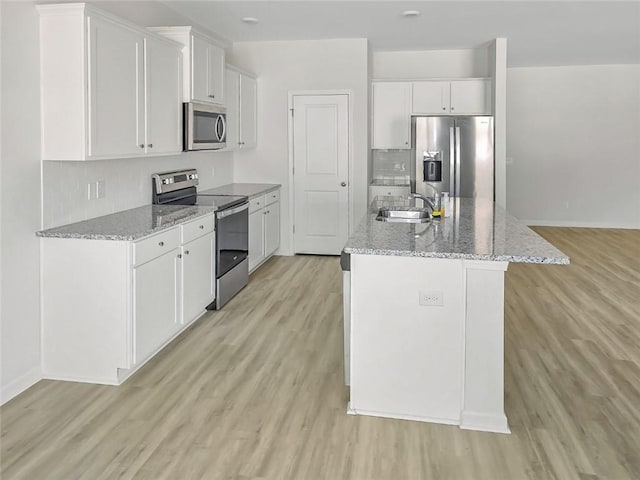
[404, 215]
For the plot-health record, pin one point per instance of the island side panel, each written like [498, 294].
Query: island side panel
[406, 358]
[484, 348]
[85, 309]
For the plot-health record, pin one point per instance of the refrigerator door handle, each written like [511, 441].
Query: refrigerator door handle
[452, 156]
[457, 157]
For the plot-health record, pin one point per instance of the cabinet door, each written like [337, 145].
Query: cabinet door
[156, 291]
[163, 97]
[430, 98]
[256, 238]
[215, 74]
[198, 276]
[116, 107]
[471, 97]
[391, 115]
[232, 94]
[248, 111]
[271, 228]
[199, 70]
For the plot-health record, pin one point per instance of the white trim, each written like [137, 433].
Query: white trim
[20, 384]
[577, 224]
[401, 416]
[484, 422]
[351, 213]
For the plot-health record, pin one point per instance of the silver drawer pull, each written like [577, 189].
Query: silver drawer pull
[186, 252]
[179, 255]
[201, 227]
[161, 244]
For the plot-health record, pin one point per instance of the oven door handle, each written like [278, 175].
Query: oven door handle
[231, 211]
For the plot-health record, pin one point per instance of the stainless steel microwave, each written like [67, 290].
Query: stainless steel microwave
[205, 127]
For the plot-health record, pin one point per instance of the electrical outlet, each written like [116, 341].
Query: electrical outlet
[101, 189]
[431, 298]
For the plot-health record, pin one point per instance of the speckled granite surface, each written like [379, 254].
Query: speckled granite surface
[477, 230]
[246, 189]
[129, 224]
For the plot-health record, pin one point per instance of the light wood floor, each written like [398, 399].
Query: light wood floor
[255, 391]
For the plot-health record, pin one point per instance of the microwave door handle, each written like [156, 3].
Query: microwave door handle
[220, 128]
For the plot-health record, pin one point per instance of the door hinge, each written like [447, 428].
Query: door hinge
[294, 229]
[291, 111]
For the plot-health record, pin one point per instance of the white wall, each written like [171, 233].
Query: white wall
[283, 67]
[573, 145]
[431, 64]
[128, 183]
[20, 190]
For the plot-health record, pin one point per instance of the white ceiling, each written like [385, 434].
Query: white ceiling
[560, 32]
[537, 32]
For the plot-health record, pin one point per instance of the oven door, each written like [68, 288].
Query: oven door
[205, 127]
[232, 238]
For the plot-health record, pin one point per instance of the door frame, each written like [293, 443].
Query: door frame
[292, 186]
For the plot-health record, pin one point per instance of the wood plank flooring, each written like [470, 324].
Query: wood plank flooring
[255, 391]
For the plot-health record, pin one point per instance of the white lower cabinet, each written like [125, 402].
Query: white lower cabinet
[198, 276]
[108, 306]
[264, 228]
[156, 291]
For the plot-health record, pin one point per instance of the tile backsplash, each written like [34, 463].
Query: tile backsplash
[127, 183]
[391, 163]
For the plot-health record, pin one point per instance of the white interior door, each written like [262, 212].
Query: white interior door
[321, 173]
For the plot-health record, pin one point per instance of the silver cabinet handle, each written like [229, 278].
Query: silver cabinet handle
[150, 145]
[343, 184]
[444, 108]
[211, 96]
[161, 244]
[201, 227]
[142, 145]
[179, 255]
[186, 252]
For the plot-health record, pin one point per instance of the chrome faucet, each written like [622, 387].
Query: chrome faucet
[426, 200]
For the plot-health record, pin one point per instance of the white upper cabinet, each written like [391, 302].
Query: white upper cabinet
[391, 115]
[248, 111]
[163, 93]
[203, 65]
[471, 97]
[431, 97]
[116, 84]
[456, 97]
[241, 98]
[110, 89]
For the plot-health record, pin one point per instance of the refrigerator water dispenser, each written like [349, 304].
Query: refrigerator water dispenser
[432, 169]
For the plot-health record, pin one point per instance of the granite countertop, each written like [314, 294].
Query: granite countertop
[477, 230]
[391, 182]
[129, 224]
[246, 189]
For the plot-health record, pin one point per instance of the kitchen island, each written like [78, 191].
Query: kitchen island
[424, 313]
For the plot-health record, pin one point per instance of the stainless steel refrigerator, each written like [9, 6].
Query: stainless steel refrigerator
[453, 154]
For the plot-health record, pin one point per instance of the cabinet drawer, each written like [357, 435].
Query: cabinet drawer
[152, 247]
[256, 203]
[197, 228]
[272, 197]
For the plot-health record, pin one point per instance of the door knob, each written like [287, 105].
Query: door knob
[343, 184]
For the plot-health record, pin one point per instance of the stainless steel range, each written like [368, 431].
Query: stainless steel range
[232, 227]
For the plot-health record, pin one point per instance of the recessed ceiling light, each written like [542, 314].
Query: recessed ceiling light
[250, 20]
[411, 13]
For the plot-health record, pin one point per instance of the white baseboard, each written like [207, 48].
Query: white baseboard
[556, 223]
[401, 416]
[484, 423]
[20, 384]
